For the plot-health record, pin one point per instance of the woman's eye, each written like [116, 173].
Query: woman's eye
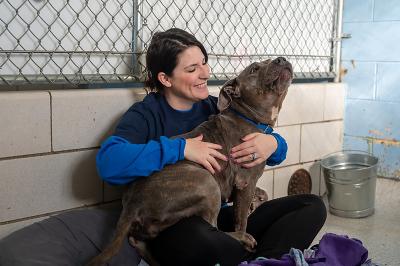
[191, 69]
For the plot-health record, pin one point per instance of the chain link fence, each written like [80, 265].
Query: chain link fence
[104, 41]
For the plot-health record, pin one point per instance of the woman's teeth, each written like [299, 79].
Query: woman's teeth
[202, 86]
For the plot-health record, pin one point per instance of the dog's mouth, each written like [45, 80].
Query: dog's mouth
[284, 76]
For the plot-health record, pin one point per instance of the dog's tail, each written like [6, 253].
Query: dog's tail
[123, 227]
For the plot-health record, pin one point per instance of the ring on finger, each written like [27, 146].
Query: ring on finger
[253, 156]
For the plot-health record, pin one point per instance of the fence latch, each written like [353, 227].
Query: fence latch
[343, 36]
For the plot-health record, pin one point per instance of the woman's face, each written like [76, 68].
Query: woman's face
[189, 79]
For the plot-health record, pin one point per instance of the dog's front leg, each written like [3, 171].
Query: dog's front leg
[241, 204]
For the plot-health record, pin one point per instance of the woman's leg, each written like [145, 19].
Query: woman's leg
[287, 222]
[193, 241]
[280, 224]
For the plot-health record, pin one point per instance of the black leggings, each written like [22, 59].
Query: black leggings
[277, 225]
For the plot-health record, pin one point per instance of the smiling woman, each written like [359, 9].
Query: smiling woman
[188, 82]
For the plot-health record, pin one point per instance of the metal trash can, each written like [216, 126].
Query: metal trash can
[350, 178]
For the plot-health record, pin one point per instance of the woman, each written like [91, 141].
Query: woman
[177, 75]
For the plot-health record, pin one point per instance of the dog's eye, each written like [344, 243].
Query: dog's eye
[253, 69]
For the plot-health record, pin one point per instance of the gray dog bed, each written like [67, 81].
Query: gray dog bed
[70, 238]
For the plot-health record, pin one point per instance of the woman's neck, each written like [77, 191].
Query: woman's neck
[178, 103]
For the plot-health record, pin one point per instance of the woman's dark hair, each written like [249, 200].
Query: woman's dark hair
[163, 51]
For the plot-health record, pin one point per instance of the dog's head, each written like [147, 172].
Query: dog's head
[259, 90]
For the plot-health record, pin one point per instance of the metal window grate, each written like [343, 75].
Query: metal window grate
[104, 41]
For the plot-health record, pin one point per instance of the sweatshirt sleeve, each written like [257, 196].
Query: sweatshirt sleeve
[120, 162]
[280, 154]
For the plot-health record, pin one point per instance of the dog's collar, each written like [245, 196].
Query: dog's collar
[267, 129]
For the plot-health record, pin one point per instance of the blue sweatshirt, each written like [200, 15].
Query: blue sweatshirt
[141, 143]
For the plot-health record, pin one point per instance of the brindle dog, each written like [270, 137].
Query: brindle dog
[186, 189]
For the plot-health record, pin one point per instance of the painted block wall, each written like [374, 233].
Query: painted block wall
[371, 62]
[49, 140]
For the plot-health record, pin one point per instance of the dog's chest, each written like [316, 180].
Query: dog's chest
[233, 173]
[228, 132]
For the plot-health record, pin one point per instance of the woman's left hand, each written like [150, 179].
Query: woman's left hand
[255, 149]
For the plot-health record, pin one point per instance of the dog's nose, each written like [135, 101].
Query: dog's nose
[280, 60]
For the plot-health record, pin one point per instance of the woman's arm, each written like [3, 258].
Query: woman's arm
[280, 153]
[135, 150]
[120, 162]
[271, 148]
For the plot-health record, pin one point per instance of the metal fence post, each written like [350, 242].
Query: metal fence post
[338, 40]
[135, 49]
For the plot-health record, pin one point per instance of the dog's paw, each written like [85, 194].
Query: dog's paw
[246, 239]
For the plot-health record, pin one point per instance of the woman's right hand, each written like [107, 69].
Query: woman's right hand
[204, 153]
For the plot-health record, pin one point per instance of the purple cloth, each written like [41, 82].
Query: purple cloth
[332, 250]
[285, 260]
[340, 250]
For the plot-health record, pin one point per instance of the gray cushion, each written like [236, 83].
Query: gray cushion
[70, 238]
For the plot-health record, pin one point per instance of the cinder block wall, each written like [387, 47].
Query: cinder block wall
[49, 139]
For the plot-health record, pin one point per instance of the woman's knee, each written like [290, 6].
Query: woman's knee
[195, 242]
[317, 206]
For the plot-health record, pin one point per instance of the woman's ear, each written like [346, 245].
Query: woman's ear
[164, 79]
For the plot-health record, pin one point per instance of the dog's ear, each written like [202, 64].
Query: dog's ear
[229, 90]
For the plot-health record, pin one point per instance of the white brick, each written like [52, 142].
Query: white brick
[281, 180]
[214, 90]
[37, 185]
[334, 101]
[282, 177]
[304, 103]
[314, 169]
[25, 123]
[292, 136]
[84, 118]
[266, 182]
[320, 139]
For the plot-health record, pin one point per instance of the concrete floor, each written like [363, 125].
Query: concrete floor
[380, 233]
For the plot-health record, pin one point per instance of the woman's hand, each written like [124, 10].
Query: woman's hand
[204, 153]
[260, 144]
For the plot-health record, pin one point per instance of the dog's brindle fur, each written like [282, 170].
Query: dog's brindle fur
[185, 189]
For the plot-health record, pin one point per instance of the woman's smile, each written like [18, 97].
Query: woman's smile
[188, 82]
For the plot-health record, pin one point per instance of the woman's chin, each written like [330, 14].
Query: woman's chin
[201, 94]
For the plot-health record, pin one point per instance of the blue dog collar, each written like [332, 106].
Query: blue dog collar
[267, 129]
